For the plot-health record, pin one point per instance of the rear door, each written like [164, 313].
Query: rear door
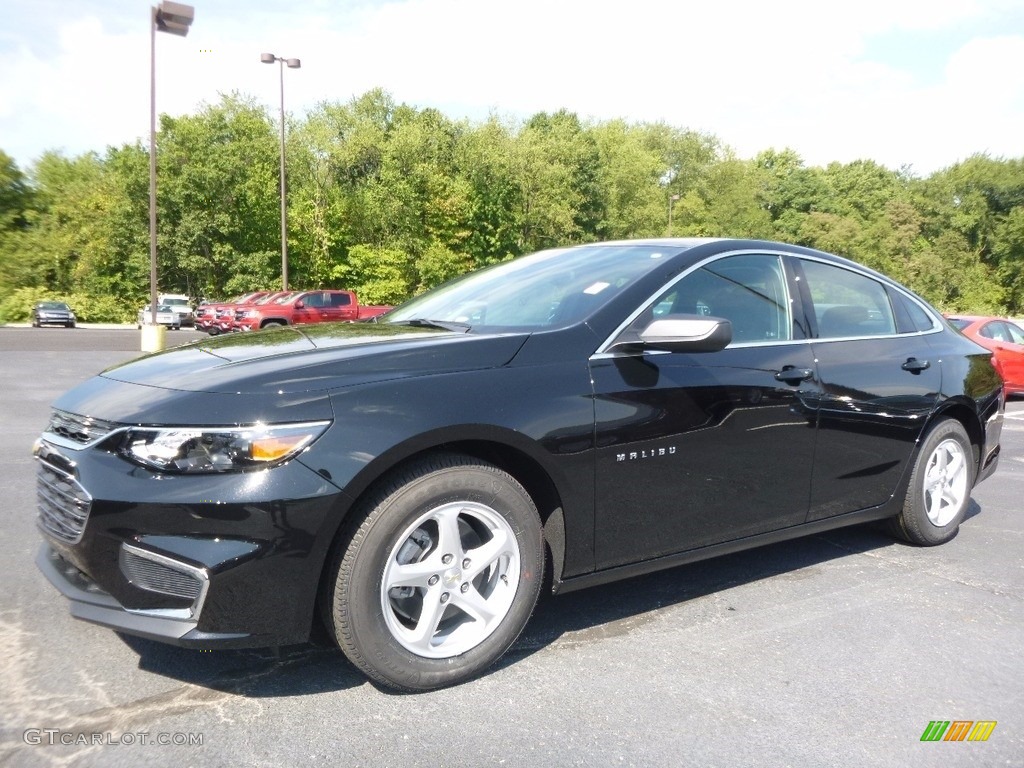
[337, 307]
[880, 380]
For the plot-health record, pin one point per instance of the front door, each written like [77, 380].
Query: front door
[695, 449]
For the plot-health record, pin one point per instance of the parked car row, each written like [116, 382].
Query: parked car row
[265, 309]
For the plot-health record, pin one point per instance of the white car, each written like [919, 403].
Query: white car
[165, 315]
[179, 304]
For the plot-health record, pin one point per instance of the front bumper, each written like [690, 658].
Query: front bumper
[90, 603]
[230, 560]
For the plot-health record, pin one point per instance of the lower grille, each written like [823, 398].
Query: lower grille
[64, 504]
[149, 574]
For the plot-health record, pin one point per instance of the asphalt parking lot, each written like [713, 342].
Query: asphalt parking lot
[834, 650]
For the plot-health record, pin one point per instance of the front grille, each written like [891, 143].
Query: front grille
[63, 503]
[157, 577]
[81, 429]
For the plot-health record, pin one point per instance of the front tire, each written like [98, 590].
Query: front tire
[440, 577]
[940, 487]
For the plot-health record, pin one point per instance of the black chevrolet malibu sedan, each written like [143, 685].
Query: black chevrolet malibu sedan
[590, 413]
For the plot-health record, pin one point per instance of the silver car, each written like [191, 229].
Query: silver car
[164, 316]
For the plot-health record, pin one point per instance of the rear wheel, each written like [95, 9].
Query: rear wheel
[940, 487]
[272, 324]
[440, 577]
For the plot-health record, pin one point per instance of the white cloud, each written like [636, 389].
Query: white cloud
[791, 73]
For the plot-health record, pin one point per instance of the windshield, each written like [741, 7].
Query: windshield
[53, 305]
[548, 289]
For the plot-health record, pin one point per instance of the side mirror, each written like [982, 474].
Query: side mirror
[687, 333]
[300, 304]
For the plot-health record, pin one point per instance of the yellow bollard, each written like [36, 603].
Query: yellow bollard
[154, 338]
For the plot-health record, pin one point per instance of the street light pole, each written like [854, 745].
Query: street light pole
[269, 58]
[175, 19]
[671, 199]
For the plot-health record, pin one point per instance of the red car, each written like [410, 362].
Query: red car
[1005, 339]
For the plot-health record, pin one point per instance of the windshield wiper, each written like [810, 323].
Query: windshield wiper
[444, 325]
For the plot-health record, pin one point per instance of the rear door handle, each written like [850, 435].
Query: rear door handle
[916, 366]
[793, 375]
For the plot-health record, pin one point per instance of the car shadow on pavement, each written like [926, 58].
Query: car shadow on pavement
[588, 615]
[615, 609]
[294, 670]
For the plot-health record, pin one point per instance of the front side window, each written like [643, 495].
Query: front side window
[747, 290]
[314, 300]
[846, 303]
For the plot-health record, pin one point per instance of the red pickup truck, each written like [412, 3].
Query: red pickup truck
[306, 308]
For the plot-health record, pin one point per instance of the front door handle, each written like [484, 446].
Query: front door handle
[916, 366]
[793, 375]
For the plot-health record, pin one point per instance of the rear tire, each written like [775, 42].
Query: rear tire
[440, 577]
[940, 487]
[271, 324]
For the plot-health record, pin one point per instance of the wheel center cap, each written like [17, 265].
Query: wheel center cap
[452, 577]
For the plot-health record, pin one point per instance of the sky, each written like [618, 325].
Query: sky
[908, 83]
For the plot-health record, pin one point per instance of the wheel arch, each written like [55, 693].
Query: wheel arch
[509, 451]
[961, 411]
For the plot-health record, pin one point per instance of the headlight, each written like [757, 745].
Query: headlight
[218, 449]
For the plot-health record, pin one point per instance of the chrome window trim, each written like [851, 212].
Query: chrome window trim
[603, 352]
[884, 281]
[603, 349]
[190, 613]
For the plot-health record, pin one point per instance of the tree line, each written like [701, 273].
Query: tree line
[389, 200]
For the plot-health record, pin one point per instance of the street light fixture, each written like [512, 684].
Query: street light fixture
[269, 58]
[175, 19]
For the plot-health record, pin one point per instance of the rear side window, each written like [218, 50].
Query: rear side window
[922, 320]
[846, 303]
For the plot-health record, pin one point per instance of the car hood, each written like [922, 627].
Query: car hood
[315, 358]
